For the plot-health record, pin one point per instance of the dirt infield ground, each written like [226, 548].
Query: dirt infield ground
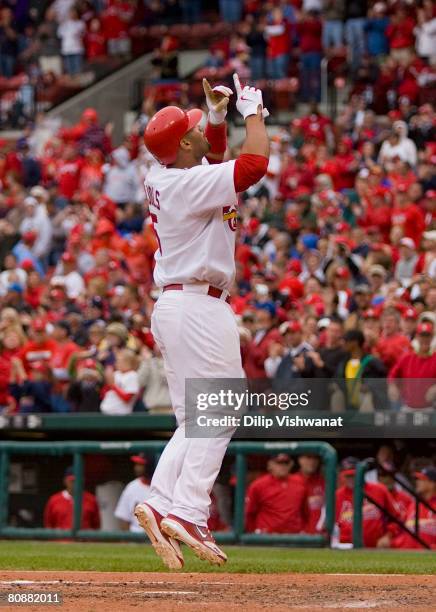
[119, 592]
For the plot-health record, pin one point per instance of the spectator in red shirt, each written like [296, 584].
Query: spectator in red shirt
[115, 21]
[58, 512]
[316, 123]
[276, 502]
[309, 30]
[95, 42]
[374, 521]
[345, 165]
[409, 320]
[408, 216]
[311, 478]
[34, 288]
[377, 212]
[412, 377]
[7, 403]
[277, 52]
[106, 237]
[392, 344]
[91, 175]
[400, 35]
[68, 173]
[256, 351]
[39, 348]
[60, 361]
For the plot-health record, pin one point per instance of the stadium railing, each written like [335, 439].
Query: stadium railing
[360, 495]
[377, 424]
[238, 449]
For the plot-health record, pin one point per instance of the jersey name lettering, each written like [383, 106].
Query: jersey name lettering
[152, 196]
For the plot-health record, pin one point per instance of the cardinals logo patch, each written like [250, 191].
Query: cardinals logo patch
[231, 216]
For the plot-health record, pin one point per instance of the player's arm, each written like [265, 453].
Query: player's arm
[210, 186]
[252, 163]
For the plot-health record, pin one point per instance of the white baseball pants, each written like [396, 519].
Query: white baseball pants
[198, 337]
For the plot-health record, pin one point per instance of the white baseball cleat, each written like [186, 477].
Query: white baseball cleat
[166, 548]
[196, 537]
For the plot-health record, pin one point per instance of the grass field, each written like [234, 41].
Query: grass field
[23, 555]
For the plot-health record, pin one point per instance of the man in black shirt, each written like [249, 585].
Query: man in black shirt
[323, 364]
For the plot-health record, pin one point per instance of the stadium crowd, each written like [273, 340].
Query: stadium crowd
[336, 265]
[50, 49]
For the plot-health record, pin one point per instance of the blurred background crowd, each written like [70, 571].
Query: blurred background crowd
[51, 49]
[336, 248]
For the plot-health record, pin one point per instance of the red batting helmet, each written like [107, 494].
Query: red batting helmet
[165, 130]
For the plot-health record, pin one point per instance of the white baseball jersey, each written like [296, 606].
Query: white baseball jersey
[194, 215]
[134, 493]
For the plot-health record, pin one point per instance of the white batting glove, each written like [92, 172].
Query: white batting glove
[217, 100]
[249, 99]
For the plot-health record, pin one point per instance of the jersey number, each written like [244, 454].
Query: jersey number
[154, 222]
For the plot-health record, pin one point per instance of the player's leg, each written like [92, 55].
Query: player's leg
[198, 338]
[150, 513]
[167, 331]
[210, 350]
[166, 547]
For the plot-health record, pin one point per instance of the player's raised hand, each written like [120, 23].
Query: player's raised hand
[249, 99]
[217, 99]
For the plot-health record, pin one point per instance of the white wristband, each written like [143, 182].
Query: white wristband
[216, 118]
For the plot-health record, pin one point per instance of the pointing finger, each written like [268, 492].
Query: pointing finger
[237, 84]
[207, 88]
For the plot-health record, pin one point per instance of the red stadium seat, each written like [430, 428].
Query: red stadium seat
[221, 28]
[284, 94]
[157, 31]
[181, 30]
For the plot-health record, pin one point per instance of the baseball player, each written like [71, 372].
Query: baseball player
[136, 489]
[193, 204]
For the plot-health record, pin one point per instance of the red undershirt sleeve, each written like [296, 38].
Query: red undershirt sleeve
[249, 169]
[126, 397]
[217, 138]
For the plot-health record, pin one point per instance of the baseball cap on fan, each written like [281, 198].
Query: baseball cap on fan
[407, 242]
[410, 313]
[290, 326]
[424, 329]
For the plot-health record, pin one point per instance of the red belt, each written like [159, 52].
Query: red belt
[212, 291]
